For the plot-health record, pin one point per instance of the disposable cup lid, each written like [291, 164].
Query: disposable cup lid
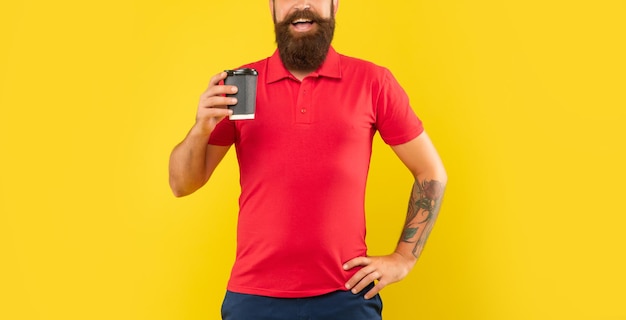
[242, 72]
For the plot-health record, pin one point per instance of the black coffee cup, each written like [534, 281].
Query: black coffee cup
[245, 80]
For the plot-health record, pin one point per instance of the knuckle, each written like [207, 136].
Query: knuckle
[360, 274]
[218, 100]
[213, 91]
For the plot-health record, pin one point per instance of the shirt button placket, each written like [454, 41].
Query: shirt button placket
[303, 114]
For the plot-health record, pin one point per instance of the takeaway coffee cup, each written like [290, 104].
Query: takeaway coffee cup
[245, 80]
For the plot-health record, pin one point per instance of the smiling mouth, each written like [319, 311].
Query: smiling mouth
[302, 24]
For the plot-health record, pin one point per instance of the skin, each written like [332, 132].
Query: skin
[193, 161]
[421, 158]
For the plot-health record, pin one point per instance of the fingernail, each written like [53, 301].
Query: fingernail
[354, 291]
[233, 89]
[347, 286]
[233, 100]
[345, 267]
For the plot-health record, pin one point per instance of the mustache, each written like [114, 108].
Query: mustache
[303, 14]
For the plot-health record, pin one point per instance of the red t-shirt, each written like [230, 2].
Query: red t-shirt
[303, 166]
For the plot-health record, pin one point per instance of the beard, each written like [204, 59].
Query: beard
[307, 51]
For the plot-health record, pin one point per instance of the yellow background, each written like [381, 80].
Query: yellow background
[524, 100]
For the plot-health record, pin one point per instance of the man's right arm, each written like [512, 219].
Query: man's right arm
[193, 160]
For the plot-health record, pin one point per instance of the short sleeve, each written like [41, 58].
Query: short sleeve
[396, 121]
[224, 133]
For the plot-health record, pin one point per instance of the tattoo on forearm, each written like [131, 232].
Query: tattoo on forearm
[424, 205]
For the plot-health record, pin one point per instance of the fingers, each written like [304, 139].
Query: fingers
[213, 101]
[358, 261]
[220, 90]
[213, 104]
[375, 290]
[216, 88]
[363, 277]
[214, 95]
[380, 270]
[215, 80]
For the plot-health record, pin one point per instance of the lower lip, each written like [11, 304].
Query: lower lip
[302, 27]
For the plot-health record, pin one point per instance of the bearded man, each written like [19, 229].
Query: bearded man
[303, 162]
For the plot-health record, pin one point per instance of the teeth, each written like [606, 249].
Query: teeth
[301, 21]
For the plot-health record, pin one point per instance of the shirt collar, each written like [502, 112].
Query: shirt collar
[331, 67]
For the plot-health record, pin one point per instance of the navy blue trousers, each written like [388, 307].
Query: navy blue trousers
[331, 306]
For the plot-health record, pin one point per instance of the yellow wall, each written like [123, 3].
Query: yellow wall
[524, 100]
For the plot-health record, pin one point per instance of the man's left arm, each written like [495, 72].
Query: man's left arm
[422, 159]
